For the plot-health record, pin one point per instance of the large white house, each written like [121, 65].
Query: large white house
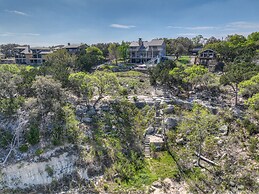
[143, 51]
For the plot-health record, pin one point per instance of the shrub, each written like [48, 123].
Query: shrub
[253, 144]
[23, 148]
[33, 135]
[39, 152]
[123, 91]
[49, 170]
[135, 98]
[57, 135]
[105, 187]
[251, 127]
[5, 138]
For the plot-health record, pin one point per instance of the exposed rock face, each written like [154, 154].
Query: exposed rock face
[27, 174]
[42, 171]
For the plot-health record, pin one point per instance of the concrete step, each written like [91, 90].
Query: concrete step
[147, 152]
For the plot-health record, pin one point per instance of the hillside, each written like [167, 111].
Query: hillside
[176, 128]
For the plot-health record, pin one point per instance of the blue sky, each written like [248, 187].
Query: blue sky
[50, 22]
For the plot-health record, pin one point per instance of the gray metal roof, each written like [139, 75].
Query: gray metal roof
[154, 42]
[72, 46]
[21, 47]
[40, 48]
[45, 52]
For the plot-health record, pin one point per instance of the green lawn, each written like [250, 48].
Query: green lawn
[160, 168]
[184, 59]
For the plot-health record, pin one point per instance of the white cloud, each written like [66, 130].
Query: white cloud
[243, 25]
[30, 34]
[17, 12]
[187, 34]
[18, 34]
[7, 34]
[194, 27]
[122, 26]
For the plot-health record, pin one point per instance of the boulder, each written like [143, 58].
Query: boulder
[168, 101]
[105, 107]
[87, 120]
[140, 104]
[150, 102]
[80, 110]
[240, 187]
[91, 112]
[157, 184]
[171, 122]
[150, 130]
[224, 129]
[180, 141]
[169, 109]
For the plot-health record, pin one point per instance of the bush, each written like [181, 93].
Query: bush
[33, 135]
[105, 187]
[23, 148]
[123, 91]
[251, 127]
[9, 106]
[135, 98]
[5, 138]
[39, 152]
[57, 136]
[253, 144]
[49, 170]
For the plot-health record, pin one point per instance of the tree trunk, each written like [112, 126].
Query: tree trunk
[236, 93]
[205, 159]
[99, 98]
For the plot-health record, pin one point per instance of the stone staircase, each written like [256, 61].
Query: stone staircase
[147, 150]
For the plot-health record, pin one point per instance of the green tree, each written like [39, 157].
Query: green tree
[123, 51]
[10, 99]
[59, 64]
[195, 74]
[253, 102]
[249, 87]
[197, 41]
[113, 52]
[198, 126]
[28, 74]
[253, 36]
[179, 46]
[49, 99]
[236, 48]
[212, 40]
[82, 85]
[236, 73]
[71, 128]
[93, 56]
[105, 83]
[160, 73]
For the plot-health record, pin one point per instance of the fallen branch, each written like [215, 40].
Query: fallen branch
[10, 151]
[205, 159]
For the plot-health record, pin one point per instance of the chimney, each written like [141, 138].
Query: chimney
[140, 41]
